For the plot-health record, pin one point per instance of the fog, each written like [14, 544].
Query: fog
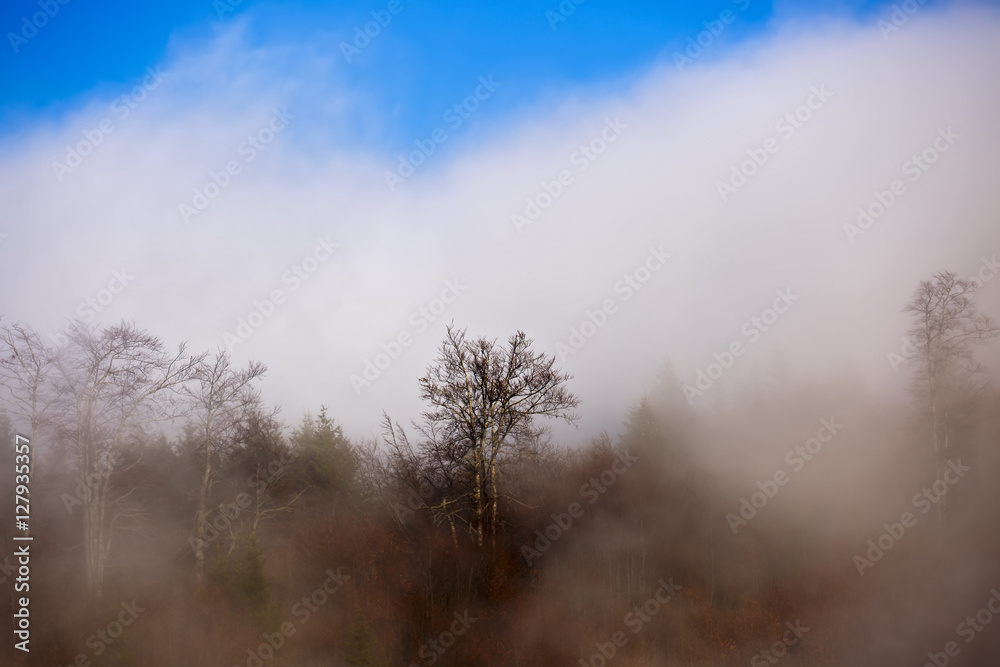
[717, 252]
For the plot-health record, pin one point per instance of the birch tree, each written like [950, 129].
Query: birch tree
[24, 365]
[109, 382]
[221, 398]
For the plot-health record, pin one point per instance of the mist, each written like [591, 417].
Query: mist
[714, 249]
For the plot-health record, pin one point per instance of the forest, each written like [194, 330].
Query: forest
[177, 519]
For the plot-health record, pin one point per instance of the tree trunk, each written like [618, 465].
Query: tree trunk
[494, 518]
[940, 454]
[477, 497]
[201, 516]
[200, 519]
[96, 541]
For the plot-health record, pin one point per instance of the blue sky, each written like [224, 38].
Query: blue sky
[426, 57]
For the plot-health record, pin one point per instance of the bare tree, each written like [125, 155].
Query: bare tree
[222, 399]
[406, 480]
[24, 364]
[946, 328]
[483, 397]
[109, 381]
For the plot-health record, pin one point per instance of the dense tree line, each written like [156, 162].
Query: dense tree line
[162, 482]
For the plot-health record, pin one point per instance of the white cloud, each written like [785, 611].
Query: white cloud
[655, 185]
